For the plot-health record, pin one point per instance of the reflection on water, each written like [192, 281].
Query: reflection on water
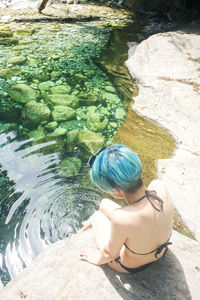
[37, 206]
[50, 90]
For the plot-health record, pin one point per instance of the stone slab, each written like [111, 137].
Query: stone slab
[166, 68]
[58, 274]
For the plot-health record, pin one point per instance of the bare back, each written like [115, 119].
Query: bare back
[145, 228]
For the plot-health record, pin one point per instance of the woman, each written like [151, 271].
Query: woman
[128, 238]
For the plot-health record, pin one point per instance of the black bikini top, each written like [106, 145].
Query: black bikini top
[158, 250]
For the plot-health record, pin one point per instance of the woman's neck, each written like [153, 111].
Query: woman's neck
[131, 198]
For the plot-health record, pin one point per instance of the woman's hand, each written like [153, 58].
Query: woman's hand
[91, 255]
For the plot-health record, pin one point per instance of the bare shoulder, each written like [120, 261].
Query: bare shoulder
[124, 217]
[160, 188]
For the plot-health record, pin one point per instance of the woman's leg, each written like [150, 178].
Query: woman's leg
[106, 207]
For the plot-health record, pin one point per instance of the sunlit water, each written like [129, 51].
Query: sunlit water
[38, 205]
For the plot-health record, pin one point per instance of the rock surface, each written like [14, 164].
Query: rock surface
[58, 274]
[166, 67]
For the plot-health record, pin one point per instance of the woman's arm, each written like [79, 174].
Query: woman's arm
[113, 246]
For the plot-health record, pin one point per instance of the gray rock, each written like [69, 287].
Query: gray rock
[166, 67]
[34, 113]
[63, 113]
[23, 93]
[58, 274]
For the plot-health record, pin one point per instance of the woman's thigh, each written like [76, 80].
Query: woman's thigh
[107, 207]
[101, 226]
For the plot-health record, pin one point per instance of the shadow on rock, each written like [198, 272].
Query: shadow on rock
[161, 280]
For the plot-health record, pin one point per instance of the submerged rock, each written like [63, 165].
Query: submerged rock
[87, 99]
[97, 122]
[51, 126]
[6, 33]
[89, 142]
[120, 113]
[63, 113]
[23, 93]
[58, 132]
[64, 100]
[6, 73]
[61, 89]
[17, 60]
[34, 113]
[69, 166]
[8, 41]
[111, 98]
[73, 124]
[37, 134]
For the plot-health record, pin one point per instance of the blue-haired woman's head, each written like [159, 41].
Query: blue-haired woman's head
[115, 167]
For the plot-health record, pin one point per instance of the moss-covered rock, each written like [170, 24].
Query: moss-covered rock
[109, 88]
[89, 142]
[17, 60]
[24, 31]
[71, 136]
[34, 113]
[73, 124]
[6, 73]
[58, 132]
[96, 122]
[45, 86]
[120, 113]
[37, 134]
[87, 99]
[63, 113]
[8, 41]
[111, 98]
[69, 166]
[6, 33]
[23, 93]
[64, 100]
[61, 89]
[51, 126]
[19, 47]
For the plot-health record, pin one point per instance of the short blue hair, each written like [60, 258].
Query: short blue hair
[116, 167]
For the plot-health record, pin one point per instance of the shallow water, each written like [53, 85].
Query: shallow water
[39, 204]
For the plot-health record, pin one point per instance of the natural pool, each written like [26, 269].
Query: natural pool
[58, 106]
[59, 103]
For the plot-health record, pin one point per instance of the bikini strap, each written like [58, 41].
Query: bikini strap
[153, 194]
[158, 250]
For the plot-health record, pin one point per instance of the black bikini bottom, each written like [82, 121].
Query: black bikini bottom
[132, 270]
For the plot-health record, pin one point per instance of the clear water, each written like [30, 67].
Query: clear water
[39, 205]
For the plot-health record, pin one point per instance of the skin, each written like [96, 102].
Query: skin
[138, 225]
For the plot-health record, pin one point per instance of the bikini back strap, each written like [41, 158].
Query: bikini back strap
[155, 196]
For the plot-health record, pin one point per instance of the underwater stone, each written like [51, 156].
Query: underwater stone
[113, 124]
[6, 33]
[23, 93]
[89, 142]
[42, 76]
[96, 122]
[51, 126]
[8, 41]
[71, 136]
[16, 69]
[6, 73]
[70, 166]
[120, 113]
[81, 113]
[112, 98]
[80, 76]
[55, 75]
[37, 134]
[24, 31]
[73, 124]
[61, 89]
[32, 62]
[63, 113]
[34, 113]
[64, 100]
[58, 132]
[87, 99]
[45, 86]
[109, 88]
[19, 47]
[17, 60]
